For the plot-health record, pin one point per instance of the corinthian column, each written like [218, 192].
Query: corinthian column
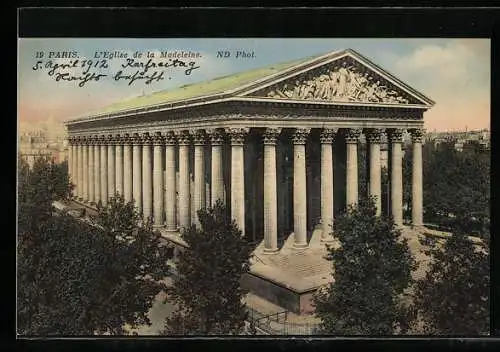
[417, 187]
[158, 209]
[184, 192]
[72, 163]
[217, 191]
[238, 177]
[127, 168]
[299, 188]
[91, 171]
[104, 170]
[375, 189]
[70, 158]
[147, 177]
[270, 194]
[326, 139]
[85, 150]
[111, 167]
[119, 164]
[170, 190]
[396, 136]
[199, 173]
[351, 139]
[97, 169]
[75, 167]
[80, 169]
[137, 171]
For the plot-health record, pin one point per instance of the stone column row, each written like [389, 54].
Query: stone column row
[133, 166]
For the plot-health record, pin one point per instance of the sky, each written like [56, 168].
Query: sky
[455, 73]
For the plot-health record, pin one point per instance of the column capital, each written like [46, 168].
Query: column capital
[113, 140]
[374, 135]
[127, 139]
[395, 135]
[93, 140]
[417, 135]
[237, 135]
[101, 140]
[352, 135]
[109, 139]
[327, 135]
[118, 139]
[216, 136]
[170, 138]
[199, 137]
[157, 139]
[147, 139]
[136, 139]
[299, 136]
[270, 135]
[184, 137]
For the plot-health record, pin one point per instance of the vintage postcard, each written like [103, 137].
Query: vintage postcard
[253, 186]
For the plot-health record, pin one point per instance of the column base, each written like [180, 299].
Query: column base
[328, 239]
[270, 251]
[300, 246]
[155, 226]
[419, 227]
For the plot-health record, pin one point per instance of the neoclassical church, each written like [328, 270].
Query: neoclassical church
[278, 145]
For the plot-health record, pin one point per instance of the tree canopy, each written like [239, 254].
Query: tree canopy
[207, 288]
[371, 270]
[80, 279]
[453, 297]
[456, 186]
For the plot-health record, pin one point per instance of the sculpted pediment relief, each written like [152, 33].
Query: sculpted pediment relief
[344, 80]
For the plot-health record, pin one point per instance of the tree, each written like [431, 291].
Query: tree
[79, 279]
[207, 289]
[136, 265]
[453, 297]
[38, 188]
[372, 270]
[457, 187]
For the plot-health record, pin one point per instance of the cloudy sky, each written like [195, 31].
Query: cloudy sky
[455, 73]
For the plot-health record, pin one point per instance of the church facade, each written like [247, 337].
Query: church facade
[277, 145]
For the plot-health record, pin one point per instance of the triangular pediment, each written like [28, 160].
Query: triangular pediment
[349, 78]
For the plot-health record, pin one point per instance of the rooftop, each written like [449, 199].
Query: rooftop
[231, 85]
[204, 88]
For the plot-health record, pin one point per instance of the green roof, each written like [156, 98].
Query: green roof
[214, 86]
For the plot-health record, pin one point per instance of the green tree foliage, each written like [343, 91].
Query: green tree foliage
[453, 297]
[372, 270]
[207, 289]
[75, 278]
[456, 186]
[38, 188]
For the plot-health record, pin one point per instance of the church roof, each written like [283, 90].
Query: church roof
[217, 85]
[244, 85]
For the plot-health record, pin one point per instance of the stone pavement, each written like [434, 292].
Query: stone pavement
[298, 270]
[157, 314]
